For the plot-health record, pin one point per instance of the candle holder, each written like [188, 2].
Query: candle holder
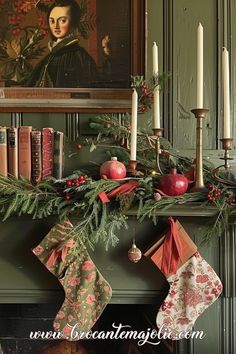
[227, 146]
[157, 134]
[200, 114]
[132, 168]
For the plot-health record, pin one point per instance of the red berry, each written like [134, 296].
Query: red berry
[67, 197]
[142, 109]
[77, 183]
[81, 178]
[69, 183]
[78, 146]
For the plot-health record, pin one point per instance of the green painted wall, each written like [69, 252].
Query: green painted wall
[186, 16]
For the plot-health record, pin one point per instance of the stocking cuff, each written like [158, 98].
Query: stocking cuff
[172, 250]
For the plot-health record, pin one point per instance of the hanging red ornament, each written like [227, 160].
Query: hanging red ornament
[173, 184]
[113, 169]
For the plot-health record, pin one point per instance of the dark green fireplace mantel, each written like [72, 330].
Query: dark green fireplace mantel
[25, 280]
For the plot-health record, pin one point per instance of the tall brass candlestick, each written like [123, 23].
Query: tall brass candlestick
[199, 113]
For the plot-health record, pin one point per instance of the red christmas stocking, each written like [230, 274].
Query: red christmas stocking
[194, 285]
[86, 291]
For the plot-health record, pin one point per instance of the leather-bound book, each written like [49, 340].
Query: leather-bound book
[25, 152]
[12, 151]
[36, 156]
[3, 151]
[47, 152]
[58, 156]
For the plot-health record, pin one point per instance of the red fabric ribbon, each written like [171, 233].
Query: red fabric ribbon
[102, 195]
[125, 188]
[172, 250]
[59, 252]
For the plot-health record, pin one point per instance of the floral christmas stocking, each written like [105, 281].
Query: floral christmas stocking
[193, 289]
[194, 285]
[86, 291]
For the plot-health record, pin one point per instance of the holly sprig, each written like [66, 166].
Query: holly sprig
[145, 90]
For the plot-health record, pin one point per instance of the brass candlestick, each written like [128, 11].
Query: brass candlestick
[227, 145]
[158, 133]
[200, 114]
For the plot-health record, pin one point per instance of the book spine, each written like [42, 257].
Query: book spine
[36, 156]
[25, 152]
[3, 151]
[13, 151]
[47, 152]
[58, 155]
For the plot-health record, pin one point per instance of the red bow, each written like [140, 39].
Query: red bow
[172, 250]
[59, 252]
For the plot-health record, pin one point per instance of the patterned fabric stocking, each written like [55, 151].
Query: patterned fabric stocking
[86, 291]
[193, 283]
[193, 288]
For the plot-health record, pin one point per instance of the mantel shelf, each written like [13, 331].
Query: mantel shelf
[73, 105]
[188, 210]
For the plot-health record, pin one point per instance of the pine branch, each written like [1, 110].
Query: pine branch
[20, 196]
[98, 186]
[151, 207]
[219, 225]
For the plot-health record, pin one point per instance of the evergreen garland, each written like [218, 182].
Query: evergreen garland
[97, 222]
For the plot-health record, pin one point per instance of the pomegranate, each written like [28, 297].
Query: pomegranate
[113, 169]
[173, 184]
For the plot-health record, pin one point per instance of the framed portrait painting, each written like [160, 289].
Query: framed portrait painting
[68, 45]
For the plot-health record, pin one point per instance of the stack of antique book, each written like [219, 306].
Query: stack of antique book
[31, 154]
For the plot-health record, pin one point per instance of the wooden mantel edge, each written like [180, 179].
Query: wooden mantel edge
[188, 210]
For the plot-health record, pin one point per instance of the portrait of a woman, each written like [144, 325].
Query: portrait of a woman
[68, 64]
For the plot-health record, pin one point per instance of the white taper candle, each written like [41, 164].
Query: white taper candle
[154, 59]
[134, 118]
[226, 93]
[200, 66]
[156, 108]
[156, 93]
